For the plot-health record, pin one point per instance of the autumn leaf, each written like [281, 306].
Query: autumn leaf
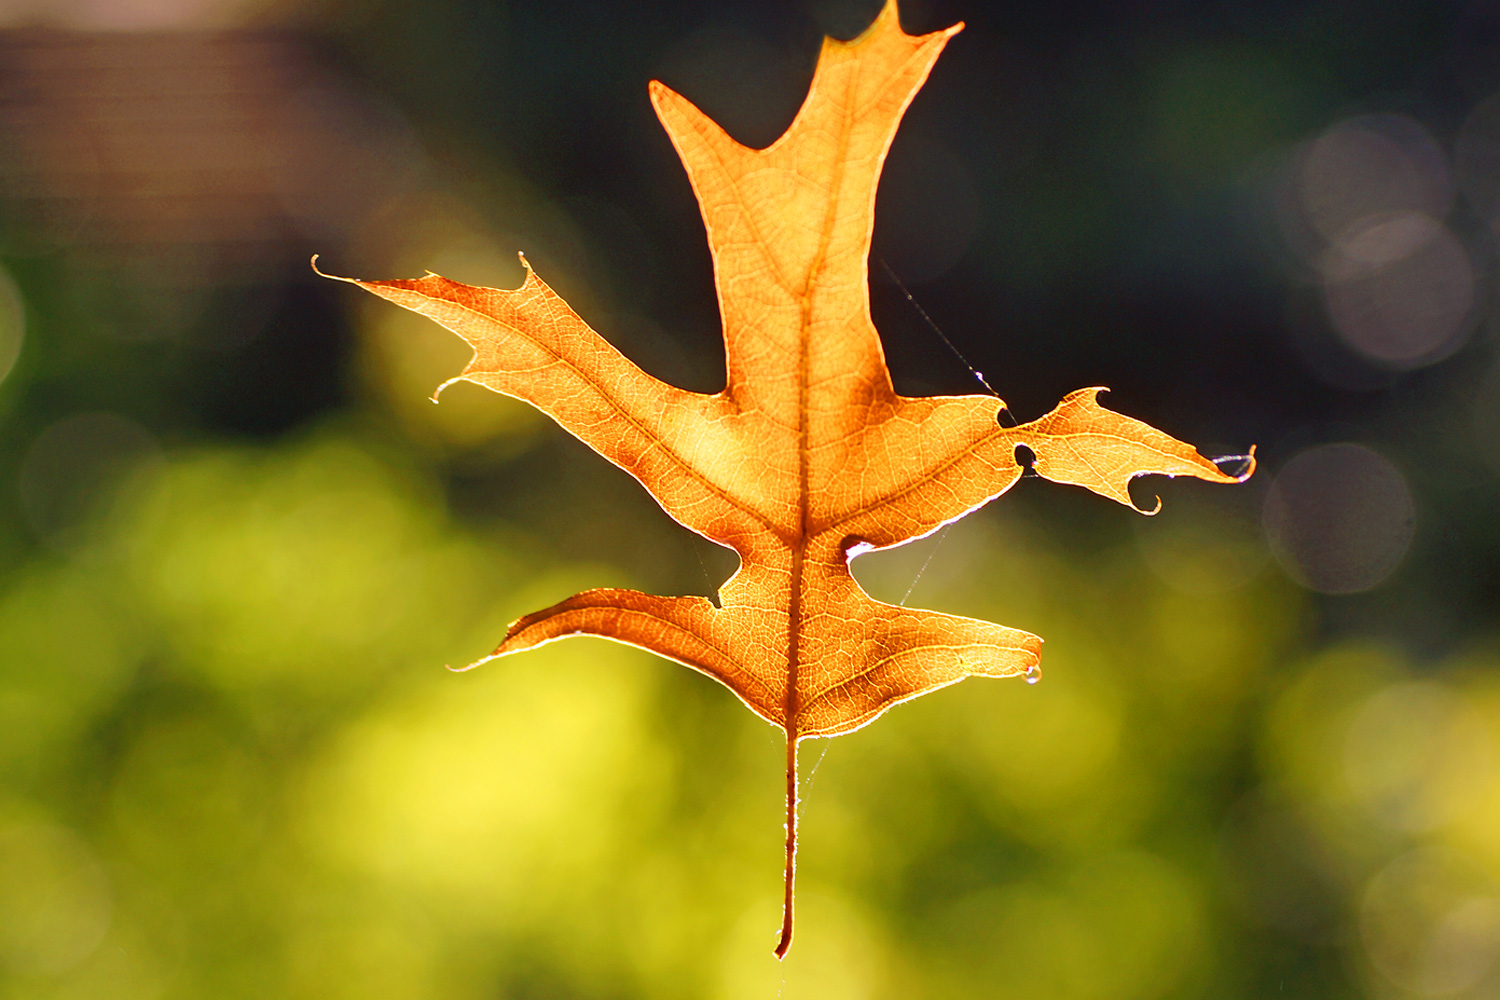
[807, 457]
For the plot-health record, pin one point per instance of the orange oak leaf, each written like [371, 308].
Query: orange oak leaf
[808, 456]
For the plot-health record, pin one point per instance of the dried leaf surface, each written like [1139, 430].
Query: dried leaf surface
[808, 456]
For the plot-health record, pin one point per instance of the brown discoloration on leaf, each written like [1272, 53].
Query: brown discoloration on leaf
[808, 453]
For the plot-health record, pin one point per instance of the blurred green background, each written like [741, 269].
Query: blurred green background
[238, 544]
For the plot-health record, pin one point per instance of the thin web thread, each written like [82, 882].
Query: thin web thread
[934, 328]
[978, 375]
[927, 562]
[814, 772]
[698, 551]
[1243, 460]
[808, 781]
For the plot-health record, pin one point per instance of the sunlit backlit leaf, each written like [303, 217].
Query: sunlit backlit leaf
[807, 457]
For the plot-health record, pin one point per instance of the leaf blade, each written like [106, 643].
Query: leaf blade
[808, 456]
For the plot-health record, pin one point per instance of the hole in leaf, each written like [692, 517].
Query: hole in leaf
[853, 545]
[1026, 458]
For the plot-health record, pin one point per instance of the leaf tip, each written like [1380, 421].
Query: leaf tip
[890, 14]
[950, 31]
[661, 96]
[477, 663]
[332, 277]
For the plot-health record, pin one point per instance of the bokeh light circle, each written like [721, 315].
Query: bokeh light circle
[1339, 518]
[1399, 288]
[1418, 755]
[1368, 165]
[1430, 923]
[1361, 206]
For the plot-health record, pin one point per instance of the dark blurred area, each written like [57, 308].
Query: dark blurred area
[238, 543]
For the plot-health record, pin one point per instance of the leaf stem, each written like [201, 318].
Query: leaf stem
[791, 842]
